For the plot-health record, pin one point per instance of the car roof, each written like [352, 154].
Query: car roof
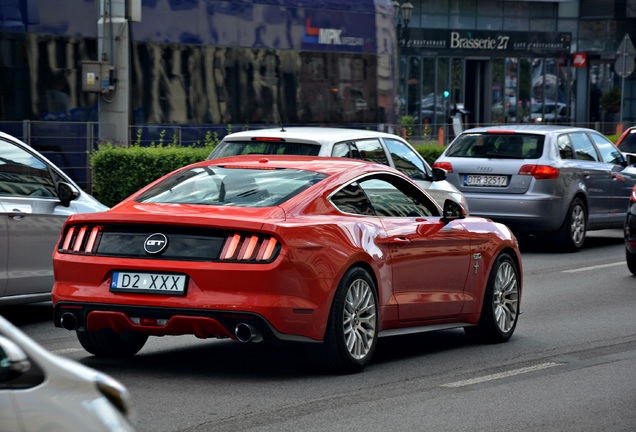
[13, 139]
[318, 135]
[535, 129]
[324, 165]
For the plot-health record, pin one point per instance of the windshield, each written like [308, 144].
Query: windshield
[220, 186]
[498, 145]
[273, 147]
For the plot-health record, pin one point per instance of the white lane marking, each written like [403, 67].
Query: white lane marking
[66, 351]
[594, 267]
[502, 375]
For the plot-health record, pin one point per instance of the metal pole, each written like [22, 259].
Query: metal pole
[620, 118]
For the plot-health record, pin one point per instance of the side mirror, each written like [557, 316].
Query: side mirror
[452, 211]
[13, 361]
[439, 174]
[67, 193]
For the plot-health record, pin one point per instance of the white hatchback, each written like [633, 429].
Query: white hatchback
[378, 147]
[40, 391]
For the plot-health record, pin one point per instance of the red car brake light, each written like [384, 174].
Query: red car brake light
[247, 247]
[80, 240]
[632, 197]
[500, 132]
[268, 139]
[444, 165]
[540, 172]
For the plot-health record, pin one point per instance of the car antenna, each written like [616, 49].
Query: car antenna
[282, 128]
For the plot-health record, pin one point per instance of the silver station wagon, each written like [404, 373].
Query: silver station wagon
[36, 198]
[542, 180]
[378, 147]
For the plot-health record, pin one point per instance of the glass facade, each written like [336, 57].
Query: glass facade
[512, 61]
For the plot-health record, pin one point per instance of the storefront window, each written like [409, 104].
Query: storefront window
[443, 86]
[435, 14]
[432, 107]
[414, 95]
[525, 90]
[510, 92]
[462, 14]
[497, 91]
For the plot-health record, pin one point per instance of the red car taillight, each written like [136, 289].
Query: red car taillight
[540, 172]
[632, 197]
[444, 165]
[80, 240]
[249, 247]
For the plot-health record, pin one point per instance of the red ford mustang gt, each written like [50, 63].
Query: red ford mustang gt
[336, 252]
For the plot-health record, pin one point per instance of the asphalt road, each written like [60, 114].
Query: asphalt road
[571, 366]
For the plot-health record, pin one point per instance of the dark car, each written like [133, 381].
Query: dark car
[630, 233]
[554, 181]
[626, 143]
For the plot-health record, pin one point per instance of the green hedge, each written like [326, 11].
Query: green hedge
[430, 152]
[118, 172]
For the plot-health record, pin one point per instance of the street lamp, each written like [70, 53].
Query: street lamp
[402, 16]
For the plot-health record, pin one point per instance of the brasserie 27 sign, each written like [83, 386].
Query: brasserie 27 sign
[485, 41]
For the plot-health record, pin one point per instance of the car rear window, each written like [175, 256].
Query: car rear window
[628, 144]
[497, 145]
[221, 186]
[266, 147]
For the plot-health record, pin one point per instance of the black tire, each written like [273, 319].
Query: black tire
[352, 329]
[107, 343]
[571, 236]
[630, 257]
[500, 309]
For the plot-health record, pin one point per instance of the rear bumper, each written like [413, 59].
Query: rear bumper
[522, 213]
[161, 321]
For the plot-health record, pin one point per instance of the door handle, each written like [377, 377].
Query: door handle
[400, 241]
[16, 215]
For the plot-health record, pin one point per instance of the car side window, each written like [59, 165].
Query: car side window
[352, 199]
[609, 153]
[392, 197]
[583, 147]
[406, 159]
[564, 145]
[346, 149]
[372, 150]
[23, 174]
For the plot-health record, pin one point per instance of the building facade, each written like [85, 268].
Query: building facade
[516, 61]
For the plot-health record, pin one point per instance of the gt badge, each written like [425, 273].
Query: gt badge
[156, 243]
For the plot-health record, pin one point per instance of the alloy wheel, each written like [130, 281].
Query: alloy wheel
[359, 319]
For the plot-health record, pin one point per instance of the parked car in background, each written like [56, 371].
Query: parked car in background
[35, 199]
[378, 147]
[40, 391]
[630, 233]
[542, 180]
[626, 143]
[549, 112]
[333, 252]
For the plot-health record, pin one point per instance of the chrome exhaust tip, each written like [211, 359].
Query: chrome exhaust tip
[68, 321]
[247, 333]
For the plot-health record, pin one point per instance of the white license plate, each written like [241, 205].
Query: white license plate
[156, 283]
[485, 180]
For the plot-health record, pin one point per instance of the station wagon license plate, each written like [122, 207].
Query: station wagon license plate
[485, 180]
[155, 283]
